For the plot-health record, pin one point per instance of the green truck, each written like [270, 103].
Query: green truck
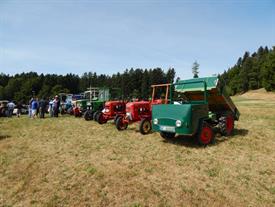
[197, 107]
[94, 101]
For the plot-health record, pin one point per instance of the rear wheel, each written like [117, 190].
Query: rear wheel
[226, 125]
[120, 125]
[101, 119]
[167, 135]
[205, 135]
[145, 126]
[88, 115]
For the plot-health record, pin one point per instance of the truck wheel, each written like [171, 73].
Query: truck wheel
[205, 135]
[101, 119]
[226, 125]
[116, 116]
[2, 112]
[120, 125]
[95, 116]
[88, 115]
[145, 126]
[167, 135]
[76, 113]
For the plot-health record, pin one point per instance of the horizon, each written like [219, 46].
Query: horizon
[108, 37]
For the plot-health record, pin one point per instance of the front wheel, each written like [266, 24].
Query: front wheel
[120, 125]
[167, 135]
[205, 135]
[101, 119]
[145, 126]
[88, 115]
[116, 116]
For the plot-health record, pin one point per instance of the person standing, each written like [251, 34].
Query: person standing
[56, 105]
[30, 107]
[19, 109]
[10, 106]
[51, 107]
[34, 107]
[42, 107]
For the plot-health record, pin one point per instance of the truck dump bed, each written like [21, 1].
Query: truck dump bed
[217, 97]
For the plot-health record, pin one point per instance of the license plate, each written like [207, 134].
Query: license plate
[167, 128]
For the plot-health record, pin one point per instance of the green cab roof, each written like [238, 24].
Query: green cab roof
[196, 84]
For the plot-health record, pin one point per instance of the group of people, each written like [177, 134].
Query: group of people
[39, 107]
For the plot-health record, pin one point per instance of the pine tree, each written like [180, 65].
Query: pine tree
[195, 69]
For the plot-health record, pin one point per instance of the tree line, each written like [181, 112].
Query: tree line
[133, 83]
[252, 71]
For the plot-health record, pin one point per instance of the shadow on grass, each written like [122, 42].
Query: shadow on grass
[241, 132]
[236, 133]
[2, 137]
[186, 141]
[189, 141]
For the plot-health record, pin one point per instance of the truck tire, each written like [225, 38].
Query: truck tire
[88, 115]
[167, 135]
[205, 134]
[2, 112]
[120, 125]
[116, 116]
[77, 113]
[95, 116]
[145, 126]
[226, 125]
[101, 119]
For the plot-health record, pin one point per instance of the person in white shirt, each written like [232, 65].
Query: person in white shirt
[10, 106]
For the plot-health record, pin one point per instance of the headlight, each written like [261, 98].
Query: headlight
[178, 123]
[128, 114]
[156, 121]
[107, 110]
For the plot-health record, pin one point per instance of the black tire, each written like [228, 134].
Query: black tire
[2, 112]
[119, 124]
[101, 119]
[145, 126]
[226, 124]
[88, 115]
[205, 134]
[95, 116]
[167, 135]
[116, 116]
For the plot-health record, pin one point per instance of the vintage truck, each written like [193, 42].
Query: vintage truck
[198, 108]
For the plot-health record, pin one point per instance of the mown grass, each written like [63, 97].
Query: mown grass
[71, 162]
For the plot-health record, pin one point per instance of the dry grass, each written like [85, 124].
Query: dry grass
[71, 162]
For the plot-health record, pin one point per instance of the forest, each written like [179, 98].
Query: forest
[133, 83]
[252, 71]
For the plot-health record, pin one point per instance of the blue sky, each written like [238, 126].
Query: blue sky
[58, 36]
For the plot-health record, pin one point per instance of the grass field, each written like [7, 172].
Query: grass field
[72, 162]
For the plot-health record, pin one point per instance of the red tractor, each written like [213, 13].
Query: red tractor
[112, 110]
[141, 111]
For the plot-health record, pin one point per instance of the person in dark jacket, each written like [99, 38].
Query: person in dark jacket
[56, 105]
[42, 107]
[19, 108]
